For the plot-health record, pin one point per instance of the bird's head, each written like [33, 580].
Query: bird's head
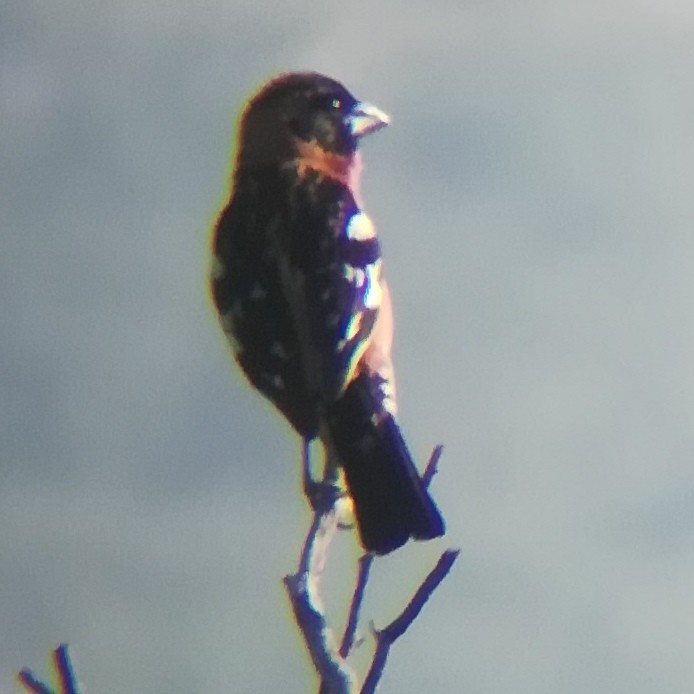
[304, 115]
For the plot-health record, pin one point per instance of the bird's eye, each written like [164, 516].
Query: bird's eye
[327, 102]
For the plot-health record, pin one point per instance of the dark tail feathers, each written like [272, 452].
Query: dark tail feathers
[391, 502]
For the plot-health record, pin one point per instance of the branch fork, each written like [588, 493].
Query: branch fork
[303, 589]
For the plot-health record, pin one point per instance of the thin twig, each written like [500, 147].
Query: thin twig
[432, 466]
[303, 587]
[365, 563]
[387, 636]
[303, 591]
[65, 675]
[63, 668]
[306, 476]
[27, 679]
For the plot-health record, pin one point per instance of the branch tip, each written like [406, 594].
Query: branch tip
[432, 466]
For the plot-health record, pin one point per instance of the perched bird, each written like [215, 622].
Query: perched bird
[297, 282]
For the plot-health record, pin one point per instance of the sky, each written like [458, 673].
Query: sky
[534, 199]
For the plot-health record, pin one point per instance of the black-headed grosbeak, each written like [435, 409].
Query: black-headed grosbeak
[297, 281]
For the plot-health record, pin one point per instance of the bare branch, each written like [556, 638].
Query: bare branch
[326, 500]
[433, 465]
[387, 636]
[303, 591]
[27, 679]
[303, 587]
[65, 675]
[365, 563]
[64, 670]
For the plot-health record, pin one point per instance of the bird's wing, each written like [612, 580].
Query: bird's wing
[331, 273]
[251, 298]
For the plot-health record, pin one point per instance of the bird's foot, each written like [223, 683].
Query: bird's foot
[322, 496]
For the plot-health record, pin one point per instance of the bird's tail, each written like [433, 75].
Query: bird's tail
[391, 501]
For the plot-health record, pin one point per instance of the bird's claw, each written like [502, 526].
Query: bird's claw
[322, 496]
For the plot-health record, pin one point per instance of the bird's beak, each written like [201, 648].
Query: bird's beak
[365, 118]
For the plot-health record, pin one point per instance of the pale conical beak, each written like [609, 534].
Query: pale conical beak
[365, 118]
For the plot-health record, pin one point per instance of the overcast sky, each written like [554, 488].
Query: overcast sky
[535, 201]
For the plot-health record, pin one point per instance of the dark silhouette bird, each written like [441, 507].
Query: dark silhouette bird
[297, 281]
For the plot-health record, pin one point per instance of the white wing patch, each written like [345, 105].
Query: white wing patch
[354, 275]
[369, 279]
[361, 270]
[351, 332]
[373, 294]
[360, 227]
[377, 357]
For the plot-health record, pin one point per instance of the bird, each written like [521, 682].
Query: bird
[297, 282]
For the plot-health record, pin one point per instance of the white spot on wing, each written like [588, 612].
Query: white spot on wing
[277, 349]
[274, 380]
[227, 321]
[354, 275]
[360, 227]
[388, 391]
[373, 294]
[258, 292]
[217, 268]
[351, 331]
[353, 327]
